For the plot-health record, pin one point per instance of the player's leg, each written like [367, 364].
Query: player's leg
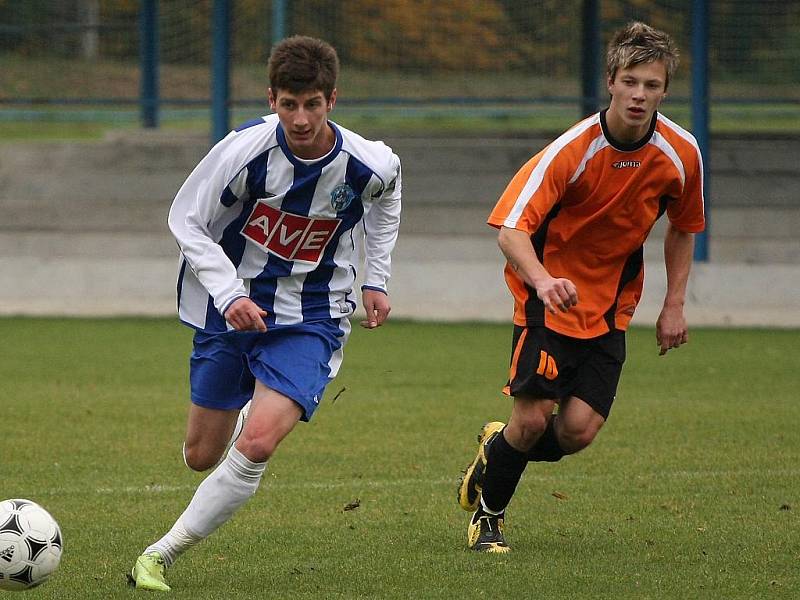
[576, 425]
[540, 364]
[221, 384]
[215, 363]
[583, 414]
[571, 430]
[207, 435]
[471, 483]
[291, 369]
[592, 390]
[231, 484]
[208, 432]
[272, 416]
[506, 459]
[236, 479]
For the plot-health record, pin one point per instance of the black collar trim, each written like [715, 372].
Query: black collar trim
[629, 146]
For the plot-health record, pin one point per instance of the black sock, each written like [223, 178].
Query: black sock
[546, 447]
[504, 467]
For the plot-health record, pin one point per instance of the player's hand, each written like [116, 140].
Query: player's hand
[671, 328]
[377, 306]
[245, 315]
[557, 294]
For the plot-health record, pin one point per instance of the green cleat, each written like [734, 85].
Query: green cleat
[148, 573]
[471, 484]
[485, 533]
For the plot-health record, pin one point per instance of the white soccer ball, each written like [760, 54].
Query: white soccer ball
[30, 544]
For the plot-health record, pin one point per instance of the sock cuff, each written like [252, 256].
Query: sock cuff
[489, 511]
[243, 465]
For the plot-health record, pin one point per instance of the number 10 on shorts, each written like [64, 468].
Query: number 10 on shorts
[547, 365]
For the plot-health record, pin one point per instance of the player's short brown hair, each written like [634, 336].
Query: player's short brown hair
[638, 43]
[300, 64]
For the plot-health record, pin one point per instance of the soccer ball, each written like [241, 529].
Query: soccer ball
[30, 544]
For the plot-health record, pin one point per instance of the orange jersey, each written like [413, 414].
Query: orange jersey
[589, 203]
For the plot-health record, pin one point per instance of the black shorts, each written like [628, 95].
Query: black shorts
[548, 365]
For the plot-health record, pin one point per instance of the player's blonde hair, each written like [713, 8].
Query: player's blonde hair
[300, 64]
[638, 43]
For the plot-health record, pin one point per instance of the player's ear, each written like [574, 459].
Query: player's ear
[332, 100]
[271, 98]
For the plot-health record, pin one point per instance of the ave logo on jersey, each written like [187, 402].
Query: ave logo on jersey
[289, 236]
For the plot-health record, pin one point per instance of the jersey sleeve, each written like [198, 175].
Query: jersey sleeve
[534, 190]
[381, 225]
[687, 214]
[208, 192]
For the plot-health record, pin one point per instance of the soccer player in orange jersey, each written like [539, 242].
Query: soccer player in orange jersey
[572, 225]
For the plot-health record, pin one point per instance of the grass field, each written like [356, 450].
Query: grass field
[374, 102]
[691, 491]
[87, 123]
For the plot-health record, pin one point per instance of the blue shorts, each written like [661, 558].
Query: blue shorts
[297, 361]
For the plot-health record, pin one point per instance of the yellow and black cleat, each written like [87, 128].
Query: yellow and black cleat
[485, 533]
[471, 484]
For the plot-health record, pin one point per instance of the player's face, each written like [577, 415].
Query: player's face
[304, 118]
[636, 94]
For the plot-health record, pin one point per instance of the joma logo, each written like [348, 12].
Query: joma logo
[292, 237]
[625, 164]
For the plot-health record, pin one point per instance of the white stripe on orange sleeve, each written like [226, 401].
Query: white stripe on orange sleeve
[660, 142]
[693, 141]
[597, 144]
[537, 175]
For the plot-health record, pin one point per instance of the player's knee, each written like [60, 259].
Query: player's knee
[530, 427]
[256, 449]
[575, 439]
[198, 458]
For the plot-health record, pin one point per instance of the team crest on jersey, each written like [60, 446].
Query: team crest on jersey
[627, 164]
[342, 196]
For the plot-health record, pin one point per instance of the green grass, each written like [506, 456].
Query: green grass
[389, 121]
[36, 77]
[689, 492]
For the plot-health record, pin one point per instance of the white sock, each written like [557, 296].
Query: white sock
[220, 494]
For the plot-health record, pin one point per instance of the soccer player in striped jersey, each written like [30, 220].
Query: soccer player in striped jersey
[572, 225]
[271, 225]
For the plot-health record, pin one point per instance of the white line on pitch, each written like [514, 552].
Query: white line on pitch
[388, 483]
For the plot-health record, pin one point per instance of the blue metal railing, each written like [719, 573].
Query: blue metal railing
[700, 110]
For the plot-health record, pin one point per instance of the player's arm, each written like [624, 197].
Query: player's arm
[381, 225]
[557, 293]
[196, 206]
[671, 328]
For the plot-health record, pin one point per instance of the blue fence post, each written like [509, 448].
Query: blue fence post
[590, 47]
[148, 63]
[700, 110]
[220, 70]
[278, 20]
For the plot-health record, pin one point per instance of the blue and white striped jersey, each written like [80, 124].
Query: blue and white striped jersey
[254, 220]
